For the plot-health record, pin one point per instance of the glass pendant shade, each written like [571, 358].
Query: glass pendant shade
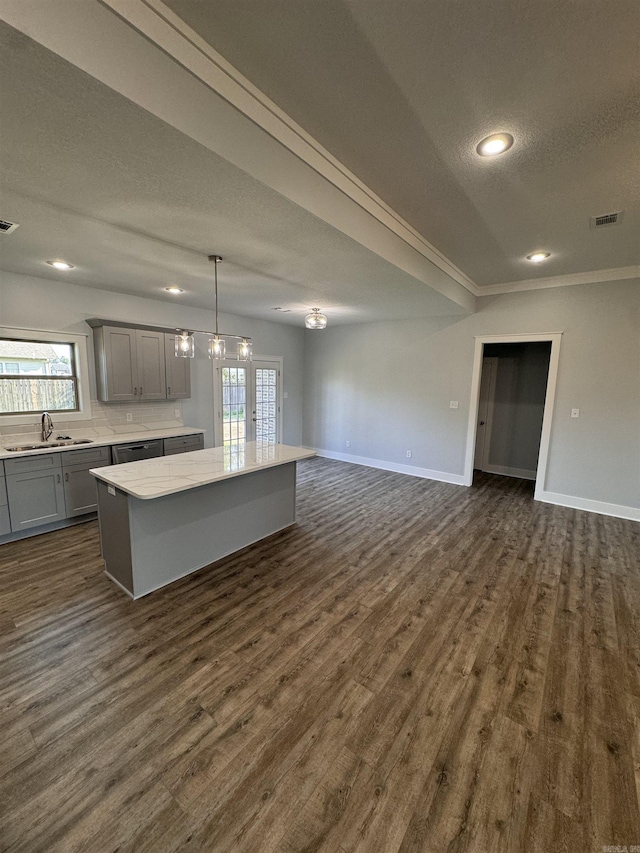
[315, 320]
[244, 350]
[217, 347]
[185, 345]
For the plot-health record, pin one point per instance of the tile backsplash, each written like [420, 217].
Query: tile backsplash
[107, 417]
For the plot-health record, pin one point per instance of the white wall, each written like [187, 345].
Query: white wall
[386, 387]
[29, 302]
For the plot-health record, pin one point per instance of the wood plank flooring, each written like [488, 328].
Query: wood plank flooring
[414, 666]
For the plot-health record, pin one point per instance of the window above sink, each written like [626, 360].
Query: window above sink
[42, 371]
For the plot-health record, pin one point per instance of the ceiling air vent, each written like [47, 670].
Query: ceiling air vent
[606, 219]
[7, 227]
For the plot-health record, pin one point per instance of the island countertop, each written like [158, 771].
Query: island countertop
[166, 475]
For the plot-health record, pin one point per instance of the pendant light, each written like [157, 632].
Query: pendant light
[244, 350]
[315, 320]
[217, 346]
[185, 341]
[185, 345]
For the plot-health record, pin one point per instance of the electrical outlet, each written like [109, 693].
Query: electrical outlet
[347, 444]
[575, 413]
[453, 404]
[409, 454]
[176, 414]
[129, 417]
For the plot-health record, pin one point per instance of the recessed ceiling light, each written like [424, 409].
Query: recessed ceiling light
[538, 257]
[60, 265]
[174, 290]
[497, 143]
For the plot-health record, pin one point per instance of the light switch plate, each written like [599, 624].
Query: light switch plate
[111, 490]
[129, 417]
[176, 414]
[575, 413]
[453, 404]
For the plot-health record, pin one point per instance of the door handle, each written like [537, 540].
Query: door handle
[481, 423]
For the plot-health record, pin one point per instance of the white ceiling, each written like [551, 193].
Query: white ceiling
[399, 93]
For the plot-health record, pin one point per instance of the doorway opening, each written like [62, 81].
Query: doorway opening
[511, 408]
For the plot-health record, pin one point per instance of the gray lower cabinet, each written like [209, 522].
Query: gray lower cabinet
[5, 524]
[183, 444]
[35, 491]
[79, 486]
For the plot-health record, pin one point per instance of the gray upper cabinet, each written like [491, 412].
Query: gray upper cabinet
[138, 364]
[151, 368]
[178, 371]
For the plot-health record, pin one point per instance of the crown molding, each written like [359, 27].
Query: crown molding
[592, 277]
[171, 34]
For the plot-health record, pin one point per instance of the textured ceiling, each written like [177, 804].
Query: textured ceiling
[136, 206]
[401, 92]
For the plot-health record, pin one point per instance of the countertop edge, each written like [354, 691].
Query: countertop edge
[107, 441]
[105, 478]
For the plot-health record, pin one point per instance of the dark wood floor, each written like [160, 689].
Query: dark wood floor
[413, 667]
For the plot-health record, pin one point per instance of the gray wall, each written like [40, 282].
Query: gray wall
[29, 302]
[386, 387]
[521, 384]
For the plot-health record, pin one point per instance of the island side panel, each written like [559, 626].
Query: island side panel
[177, 534]
[115, 539]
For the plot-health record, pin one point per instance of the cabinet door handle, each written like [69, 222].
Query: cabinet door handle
[66, 476]
[141, 391]
[135, 391]
[168, 390]
[58, 478]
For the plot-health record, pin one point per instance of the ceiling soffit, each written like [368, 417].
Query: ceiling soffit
[98, 42]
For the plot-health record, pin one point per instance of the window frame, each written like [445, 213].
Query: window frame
[81, 362]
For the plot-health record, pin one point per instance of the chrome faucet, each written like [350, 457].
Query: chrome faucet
[47, 426]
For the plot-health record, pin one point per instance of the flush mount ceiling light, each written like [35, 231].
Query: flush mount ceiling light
[538, 257]
[315, 320]
[60, 264]
[174, 289]
[497, 143]
[217, 347]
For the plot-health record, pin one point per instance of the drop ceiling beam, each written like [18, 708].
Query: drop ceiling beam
[145, 53]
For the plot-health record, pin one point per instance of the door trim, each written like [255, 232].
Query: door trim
[555, 338]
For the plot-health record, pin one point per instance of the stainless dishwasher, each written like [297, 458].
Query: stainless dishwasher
[135, 451]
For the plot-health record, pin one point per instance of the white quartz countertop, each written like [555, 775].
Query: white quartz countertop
[139, 433]
[166, 475]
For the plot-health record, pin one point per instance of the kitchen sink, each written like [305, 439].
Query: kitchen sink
[21, 448]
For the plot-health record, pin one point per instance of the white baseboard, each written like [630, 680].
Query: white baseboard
[601, 507]
[505, 471]
[412, 470]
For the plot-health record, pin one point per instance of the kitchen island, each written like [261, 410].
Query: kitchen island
[161, 519]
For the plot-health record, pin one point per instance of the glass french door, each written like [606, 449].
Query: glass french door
[247, 402]
[266, 403]
[234, 404]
